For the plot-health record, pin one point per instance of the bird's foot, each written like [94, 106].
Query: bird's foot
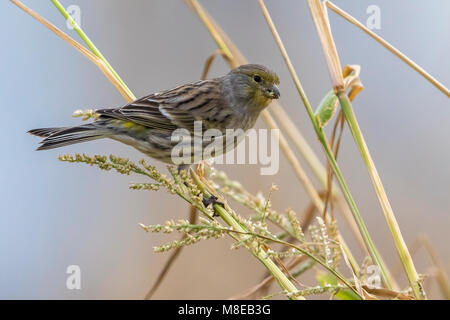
[184, 167]
[212, 201]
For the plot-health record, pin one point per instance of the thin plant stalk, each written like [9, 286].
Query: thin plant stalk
[88, 54]
[263, 286]
[89, 43]
[298, 169]
[301, 144]
[323, 140]
[389, 47]
[172, 258]
[441, 276]
[439, 269]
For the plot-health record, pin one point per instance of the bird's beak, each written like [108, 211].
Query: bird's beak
[273, 92]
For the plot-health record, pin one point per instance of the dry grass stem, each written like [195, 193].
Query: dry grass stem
[170, 262]
[320, 17]
[210, 60]
[389, 47]
[258, 290]
[88, 54]
[207, 21]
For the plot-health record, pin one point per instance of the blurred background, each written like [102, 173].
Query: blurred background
[56, 214]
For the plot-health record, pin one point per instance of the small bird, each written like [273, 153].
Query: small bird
[233, 101]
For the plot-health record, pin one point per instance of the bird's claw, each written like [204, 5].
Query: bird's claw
[212, 201]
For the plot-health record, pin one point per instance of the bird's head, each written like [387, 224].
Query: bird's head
[254, 84]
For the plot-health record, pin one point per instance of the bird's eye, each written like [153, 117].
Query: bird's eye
[257, 78]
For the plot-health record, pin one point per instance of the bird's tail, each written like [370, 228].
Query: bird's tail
[59, 137]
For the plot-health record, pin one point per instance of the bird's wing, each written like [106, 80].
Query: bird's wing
[171, 109]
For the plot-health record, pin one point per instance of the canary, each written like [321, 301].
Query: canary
[233, 101]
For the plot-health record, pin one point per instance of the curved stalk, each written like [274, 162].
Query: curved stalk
[89, 43]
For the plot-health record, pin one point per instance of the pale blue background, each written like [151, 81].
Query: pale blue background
[55, 214]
